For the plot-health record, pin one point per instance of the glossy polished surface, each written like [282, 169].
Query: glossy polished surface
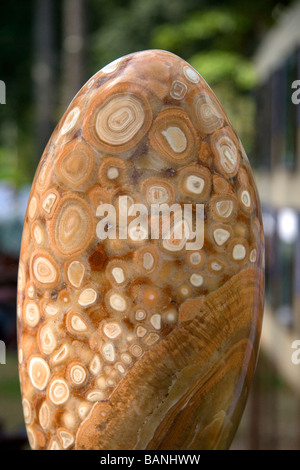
[136, 342]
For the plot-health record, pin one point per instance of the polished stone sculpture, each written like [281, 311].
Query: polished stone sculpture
[128, 338]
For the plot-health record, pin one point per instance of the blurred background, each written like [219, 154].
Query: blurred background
[249, 52]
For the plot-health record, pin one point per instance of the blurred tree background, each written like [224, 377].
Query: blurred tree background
[49, 48]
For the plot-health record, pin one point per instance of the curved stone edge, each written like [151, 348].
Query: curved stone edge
[158, 405]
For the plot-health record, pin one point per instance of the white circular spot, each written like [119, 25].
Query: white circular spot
[83, 409]
[32, 207]
[228, 154]
[21, 277]
[216, 266]
[67, 438]
[121, 368]
[108, 352]
[191, 74]
[253, 255]
[87, 297]
[70, 121]
[141, 331]
[43, 270]
[75, 273]
[126, 358]
[30, 291]
[31, 438]
[157, 194]
[136, 350]
[61, 354]
[224, 208]
[78, 324]
[148, 261]
[156, 321]
[32, 314]
[95, 395]
[95, 365]
[90, 83]
[118, 274]
[112, 173]
[44, 416]
[178, 90]
[78, 374]
[58, 391]
[195, 258]
[245, 198]
[39, 373]
[195, 184]
[221, 236]
[47, 339]
[196, 280]
[48, 203]
[140, 314]
[184, 291]
[117, 302]
[20, 356]
[239, 252]
[175, 138]
[111, 67]
[112, 330]
[51, 309]
[27, 411]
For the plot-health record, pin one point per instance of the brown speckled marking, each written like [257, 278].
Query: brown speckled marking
[139, 344]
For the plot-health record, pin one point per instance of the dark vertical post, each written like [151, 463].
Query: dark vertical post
[43, 74]
[74, 51]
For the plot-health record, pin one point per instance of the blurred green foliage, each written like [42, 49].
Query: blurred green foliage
[218, 38]
[10, 396]
[198, 26]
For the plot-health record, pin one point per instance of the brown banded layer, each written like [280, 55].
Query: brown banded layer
[208, 113]
[75, 165]
[44, 174]
[49, 202]
[174, 136]
[194, 182]
[71, 229]
[157, 191]
[113, 172]
[226, 152]
[118, 120]
[44, 269]
[223, 207]
[98, 195]
[221, 185]
[71, 123]
[163, 429]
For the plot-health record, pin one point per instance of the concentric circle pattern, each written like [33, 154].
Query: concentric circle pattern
[139, 341]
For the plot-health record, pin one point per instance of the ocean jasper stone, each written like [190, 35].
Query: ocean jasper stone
[131, 336]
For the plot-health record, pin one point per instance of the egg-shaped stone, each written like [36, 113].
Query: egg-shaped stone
[140, 289]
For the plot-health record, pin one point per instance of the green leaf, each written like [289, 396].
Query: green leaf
[201, 25]
[216, 66]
